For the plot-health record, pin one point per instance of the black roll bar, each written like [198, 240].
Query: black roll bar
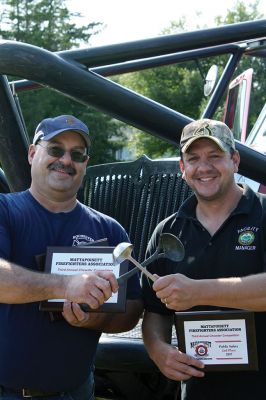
[167, 44]
[48, 69]
[62, 72]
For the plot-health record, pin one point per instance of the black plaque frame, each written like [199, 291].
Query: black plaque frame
[181, 317]
[93, 251]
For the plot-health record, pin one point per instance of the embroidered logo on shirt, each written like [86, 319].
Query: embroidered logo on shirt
[81, 240]
[246, 237]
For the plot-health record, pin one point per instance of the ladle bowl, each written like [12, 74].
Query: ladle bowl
[123, 252]
[169, 246]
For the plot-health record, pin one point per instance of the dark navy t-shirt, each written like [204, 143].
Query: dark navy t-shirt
[35, 352]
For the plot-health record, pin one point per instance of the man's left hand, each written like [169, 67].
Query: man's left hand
[74, 315]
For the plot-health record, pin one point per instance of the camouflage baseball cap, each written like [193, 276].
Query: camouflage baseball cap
[206, 128]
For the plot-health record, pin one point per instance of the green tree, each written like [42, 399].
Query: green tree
[240, 13]
[44, 23]
[177, 87]
[180, 86]
[49, 24]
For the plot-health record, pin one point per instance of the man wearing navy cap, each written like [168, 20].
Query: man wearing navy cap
[40, 357]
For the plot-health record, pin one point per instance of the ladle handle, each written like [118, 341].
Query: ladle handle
[123, 278]
[150, 259]
[144, 270]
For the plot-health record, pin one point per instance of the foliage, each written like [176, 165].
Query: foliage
[50, 25]
[177, 86]
[102, 128]
[180, 86]
[44, 23]
[241, 13]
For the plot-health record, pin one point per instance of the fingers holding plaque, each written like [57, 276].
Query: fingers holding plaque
[81, 260]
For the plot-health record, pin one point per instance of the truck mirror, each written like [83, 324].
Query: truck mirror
[210, 80]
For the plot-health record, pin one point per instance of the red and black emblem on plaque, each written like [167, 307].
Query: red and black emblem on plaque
[201, 348]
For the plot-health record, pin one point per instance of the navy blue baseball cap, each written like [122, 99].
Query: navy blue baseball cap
[51, 127]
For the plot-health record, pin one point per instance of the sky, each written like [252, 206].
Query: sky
[129, 20]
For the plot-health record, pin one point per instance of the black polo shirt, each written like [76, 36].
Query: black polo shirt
[237, 249]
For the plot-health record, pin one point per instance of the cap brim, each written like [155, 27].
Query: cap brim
[56, 133]
[219, 143]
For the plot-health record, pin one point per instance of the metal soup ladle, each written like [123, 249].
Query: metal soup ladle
[169, 246]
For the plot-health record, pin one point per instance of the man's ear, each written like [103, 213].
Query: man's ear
[31, 152]
[181, 164]
[86, 165]
[236, 160]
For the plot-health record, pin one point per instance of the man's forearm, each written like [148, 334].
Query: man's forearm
[156, 329]
[122, 322]
[179, 292]
[20, 285]
[105, 322]
[245, 293]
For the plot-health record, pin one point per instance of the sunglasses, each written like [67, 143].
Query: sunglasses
[58, 152]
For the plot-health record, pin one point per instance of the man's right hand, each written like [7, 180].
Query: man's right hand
[177, 291]
[176, 365]
[93, 288]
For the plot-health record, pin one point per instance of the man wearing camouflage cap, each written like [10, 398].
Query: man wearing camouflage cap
[222, 227]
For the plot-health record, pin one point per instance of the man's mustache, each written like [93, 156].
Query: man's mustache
[60, 166]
